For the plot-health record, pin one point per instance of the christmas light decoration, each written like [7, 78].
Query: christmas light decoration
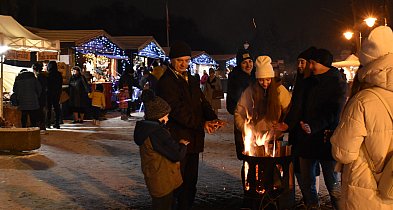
[204, 59]
[102, 46]
[152, 51]
[231, 62]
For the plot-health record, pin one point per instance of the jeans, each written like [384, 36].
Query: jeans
[307, 168]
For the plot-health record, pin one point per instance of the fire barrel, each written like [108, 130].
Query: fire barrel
[269, 180]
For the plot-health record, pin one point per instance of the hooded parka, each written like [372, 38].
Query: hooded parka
[365, 120]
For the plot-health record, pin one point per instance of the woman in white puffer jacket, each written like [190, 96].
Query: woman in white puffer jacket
[365, 120]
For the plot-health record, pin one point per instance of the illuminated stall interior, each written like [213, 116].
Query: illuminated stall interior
[94, 50]
[99, 57]
[226, 63]
[201, 61]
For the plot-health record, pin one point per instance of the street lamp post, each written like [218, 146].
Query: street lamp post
[370, 22]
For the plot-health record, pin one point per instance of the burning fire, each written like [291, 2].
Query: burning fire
[255, 141]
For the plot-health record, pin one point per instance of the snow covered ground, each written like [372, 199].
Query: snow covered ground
[82, 166]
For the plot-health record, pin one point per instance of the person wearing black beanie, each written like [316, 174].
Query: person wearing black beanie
[191, 115]
[179, 49]
[292, 117]
[323, 57]
[321, 102]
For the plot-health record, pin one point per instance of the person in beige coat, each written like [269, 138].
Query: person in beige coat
[366, 121]
[264, 101]
[213, 83]
[263, 105]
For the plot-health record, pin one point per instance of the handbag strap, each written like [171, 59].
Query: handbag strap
[370, 162]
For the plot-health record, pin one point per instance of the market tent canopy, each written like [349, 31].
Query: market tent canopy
[10, 72]
[17, 37]
[351, 60]
[145, 46]
[230, 59]
[98, 42]
[202, 58]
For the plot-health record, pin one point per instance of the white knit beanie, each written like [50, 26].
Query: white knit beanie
[377, 44]
[264, 67]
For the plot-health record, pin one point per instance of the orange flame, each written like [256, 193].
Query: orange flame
[246, 184]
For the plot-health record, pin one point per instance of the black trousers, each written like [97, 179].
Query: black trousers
[238, 143]
[34, 117]
[185, 194]
[42, 118]
[52, 102]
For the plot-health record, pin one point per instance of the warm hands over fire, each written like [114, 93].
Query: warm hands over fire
[213, 125]
[306, 127]
[280, 126]
[183, 141]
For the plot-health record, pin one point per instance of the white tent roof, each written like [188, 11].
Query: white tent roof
[16, 37]
[10, 72]
[351, 60]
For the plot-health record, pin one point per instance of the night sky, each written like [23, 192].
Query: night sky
[279, 28]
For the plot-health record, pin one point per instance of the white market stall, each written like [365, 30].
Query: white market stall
[17, 43]
[350, 66]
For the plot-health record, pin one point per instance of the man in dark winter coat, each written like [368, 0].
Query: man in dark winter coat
[28, 89]
[55, 82]
[293, 117]
[43, 79]
[190, 115]
[319, 116]
[238, 80]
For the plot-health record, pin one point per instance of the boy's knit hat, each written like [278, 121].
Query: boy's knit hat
[155, 107]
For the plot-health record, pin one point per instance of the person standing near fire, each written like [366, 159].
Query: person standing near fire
[238, 80]
[191, 114]
[292, 118]
[160, 152]
[263, 104]
[365, 127]
[319, 115]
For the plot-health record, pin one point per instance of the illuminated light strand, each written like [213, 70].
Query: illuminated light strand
[204, 59]
[231, 62]
[152, 50]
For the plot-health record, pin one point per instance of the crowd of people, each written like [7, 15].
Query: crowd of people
[331, 129]
[327, 129]
[39, 95]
